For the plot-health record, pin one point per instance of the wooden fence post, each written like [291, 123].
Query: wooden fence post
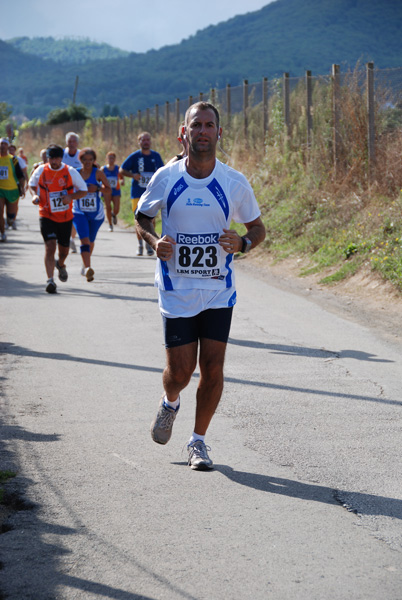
[245, 107]
[157, 118]
[178, 119]
[139, 120]
[286, 102]
[336, 88]
[190, 101]
[228, 105]
[167, 115]
[370, 120]
[213, 97]
[147, 121]
[265, 116]
[309, 103]
[201, 97]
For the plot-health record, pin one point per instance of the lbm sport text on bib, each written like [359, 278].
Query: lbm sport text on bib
[198, 255]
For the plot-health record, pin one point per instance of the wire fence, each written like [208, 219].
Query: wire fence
[259, 109]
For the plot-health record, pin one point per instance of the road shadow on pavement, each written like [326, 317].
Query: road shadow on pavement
[309, 352]
[357, 502]
[34, 560]
[16, 350]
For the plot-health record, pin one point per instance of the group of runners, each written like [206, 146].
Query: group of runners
[198, 198]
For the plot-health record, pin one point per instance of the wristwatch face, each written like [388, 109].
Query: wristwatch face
[248, 245]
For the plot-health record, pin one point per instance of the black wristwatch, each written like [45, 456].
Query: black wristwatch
[246, 247]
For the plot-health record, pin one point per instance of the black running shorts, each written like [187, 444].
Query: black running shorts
[51, 230]
[213, 324]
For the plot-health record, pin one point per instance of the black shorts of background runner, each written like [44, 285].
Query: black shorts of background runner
[51, 230]
[213, 324]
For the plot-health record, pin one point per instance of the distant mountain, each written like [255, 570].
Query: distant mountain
[286, 35]
[67, 50]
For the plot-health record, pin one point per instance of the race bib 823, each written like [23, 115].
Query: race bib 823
[198, 255]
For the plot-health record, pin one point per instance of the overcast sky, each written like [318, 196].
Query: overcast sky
[134, 25]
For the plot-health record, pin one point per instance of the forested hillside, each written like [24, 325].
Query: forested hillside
[67, 50]
[286, 35]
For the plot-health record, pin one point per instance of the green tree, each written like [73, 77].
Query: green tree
[74, 112]
[5, 111]
[115, 111]
[105, 111]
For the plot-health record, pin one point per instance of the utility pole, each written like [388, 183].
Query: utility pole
[75, 88]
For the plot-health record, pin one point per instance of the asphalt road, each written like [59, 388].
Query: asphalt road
[305, 501]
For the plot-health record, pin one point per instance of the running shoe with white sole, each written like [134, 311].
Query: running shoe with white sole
[89, 273]
[198, 458]
[51, 287]
[63, 275]
[73, 247]
[161, 426]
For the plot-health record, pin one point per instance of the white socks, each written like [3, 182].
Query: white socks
[174, 404]
[195, 437]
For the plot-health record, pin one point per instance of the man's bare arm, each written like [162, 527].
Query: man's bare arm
[232, 242]
[164, 247]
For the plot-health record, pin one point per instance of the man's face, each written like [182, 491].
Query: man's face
[72, 145]
[55, 163]
[202, 131]
[3, 148]
[145, 142]
[11, 150]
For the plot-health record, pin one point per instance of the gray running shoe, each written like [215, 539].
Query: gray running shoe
[161, 426]
[198, 458]
[140, 251]
[63, 275]
[114, 219]
[3, 237]
[73, 247]
[51, 287]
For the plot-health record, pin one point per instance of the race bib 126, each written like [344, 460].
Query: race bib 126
[198, 255]
[56, 202]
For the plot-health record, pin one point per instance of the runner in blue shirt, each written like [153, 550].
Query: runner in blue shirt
[140, 166]
[115, 179]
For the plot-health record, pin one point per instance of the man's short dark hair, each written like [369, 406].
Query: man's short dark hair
[202, 106]
[54, 151]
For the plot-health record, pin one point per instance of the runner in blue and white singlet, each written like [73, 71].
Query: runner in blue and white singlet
[198, 198]
[194, 213]
[88, 212]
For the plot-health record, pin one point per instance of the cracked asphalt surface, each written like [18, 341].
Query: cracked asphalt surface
[306, 497]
